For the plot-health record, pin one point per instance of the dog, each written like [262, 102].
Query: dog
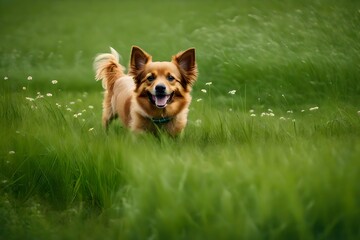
[152, 95]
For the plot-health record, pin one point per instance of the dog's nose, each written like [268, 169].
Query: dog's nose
[160, 88]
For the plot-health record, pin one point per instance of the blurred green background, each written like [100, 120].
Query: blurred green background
[306, 50]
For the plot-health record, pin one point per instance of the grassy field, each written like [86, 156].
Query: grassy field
[277, 159]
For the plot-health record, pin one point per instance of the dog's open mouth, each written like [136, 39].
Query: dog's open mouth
[160, 100]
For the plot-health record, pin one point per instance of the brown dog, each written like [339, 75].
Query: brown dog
[153, 95]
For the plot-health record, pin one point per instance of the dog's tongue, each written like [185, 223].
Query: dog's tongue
[160, 101]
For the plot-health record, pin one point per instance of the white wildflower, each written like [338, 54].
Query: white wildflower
[270, 110]
[289, 111]
[6, 78]
[58, 105]
[266, 114]
[208, 83]
[54, 81]
[230, 109]
[251, 111]
[24, 88]
[303, 110]
[11, 152]
[79, 100]
[203, 90]
[30, 99]
[69, 109]
[72, 103]
[232, 92]
[90, 129]
[198, 122]
[84, 110]
[91, 107]
[313, 108]
[75, 115]
[79, 114]
[253, 115]
[29, 78]
[199, 100]
[49, 94]
[293, 120]
[282, 118]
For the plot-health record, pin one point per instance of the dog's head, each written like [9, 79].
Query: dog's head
[163, 85]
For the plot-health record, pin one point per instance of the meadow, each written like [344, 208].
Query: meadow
[272, 146]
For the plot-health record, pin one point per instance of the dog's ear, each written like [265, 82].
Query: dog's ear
[138, 60]
[186, 63]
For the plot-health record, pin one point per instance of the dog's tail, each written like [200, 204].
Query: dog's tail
[108, 69]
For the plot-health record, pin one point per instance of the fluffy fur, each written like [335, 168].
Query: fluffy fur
[152, 95]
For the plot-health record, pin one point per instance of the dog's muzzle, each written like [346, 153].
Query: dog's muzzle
[160, 99]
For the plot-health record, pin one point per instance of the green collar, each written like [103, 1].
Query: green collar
[161, 120]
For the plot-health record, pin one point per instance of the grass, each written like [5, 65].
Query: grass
[276, 160]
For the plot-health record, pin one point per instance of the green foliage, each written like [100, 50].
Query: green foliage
[275, 159]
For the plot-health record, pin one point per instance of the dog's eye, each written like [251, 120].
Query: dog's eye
[170, 78]
[151, 78]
